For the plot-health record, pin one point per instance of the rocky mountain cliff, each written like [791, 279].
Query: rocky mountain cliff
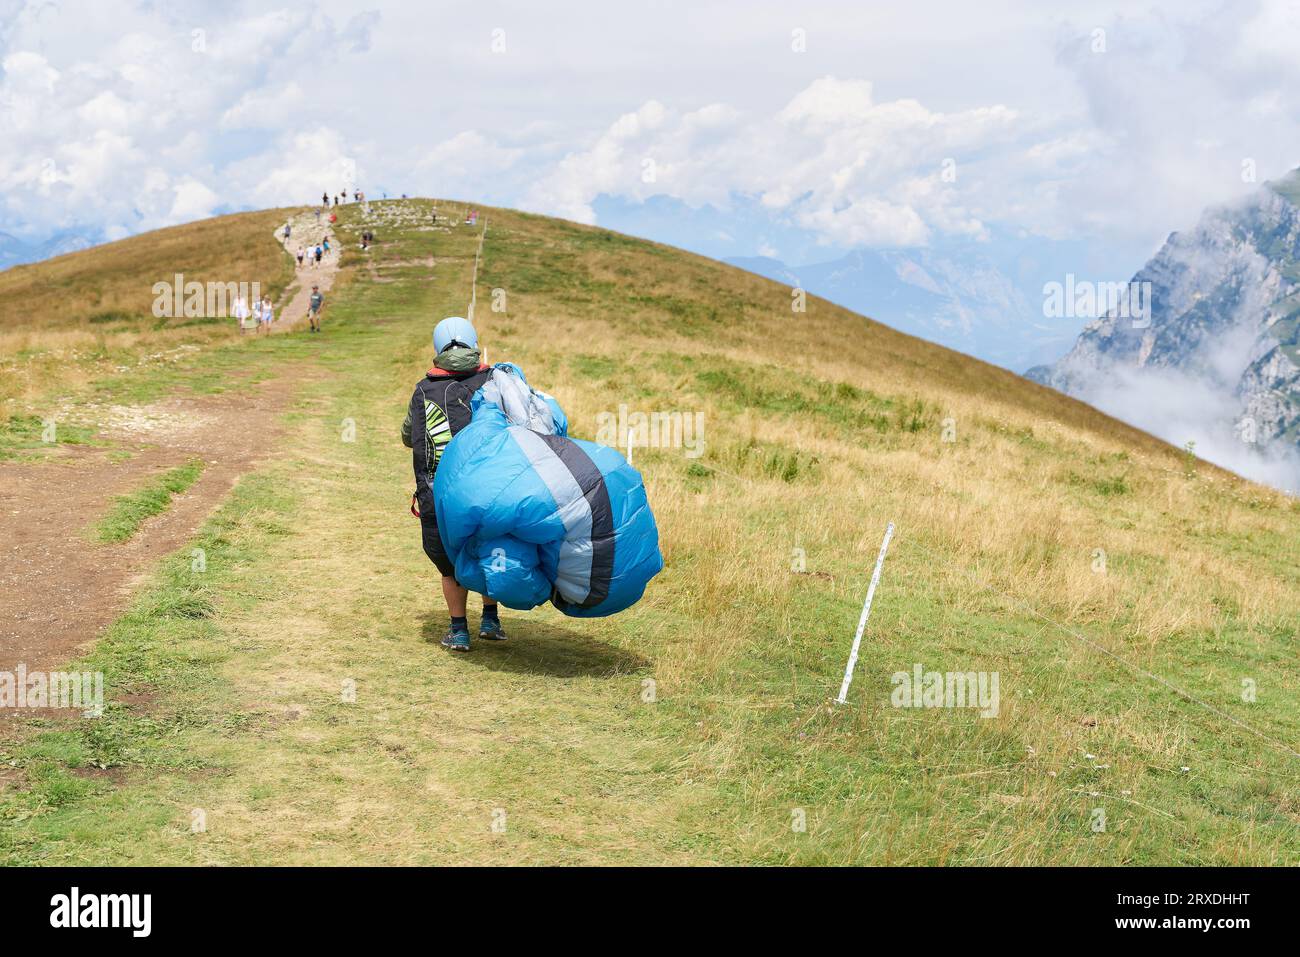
[1216, 356]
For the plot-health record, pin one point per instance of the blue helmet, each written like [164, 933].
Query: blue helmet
[454, 330]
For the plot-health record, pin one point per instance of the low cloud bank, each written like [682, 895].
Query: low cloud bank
[1180, 407]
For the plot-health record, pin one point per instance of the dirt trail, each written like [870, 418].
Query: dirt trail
[58, 587]
[306, 231]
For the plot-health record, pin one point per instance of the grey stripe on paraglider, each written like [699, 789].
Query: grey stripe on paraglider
[586, 560]
[573, 576]
[600, 540]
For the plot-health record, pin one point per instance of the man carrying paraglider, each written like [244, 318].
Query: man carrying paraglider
[440, 407]
[513, 507]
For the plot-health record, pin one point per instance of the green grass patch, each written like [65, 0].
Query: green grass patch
[111, 315]
[22, 433]
[130, 511]
[838, 404]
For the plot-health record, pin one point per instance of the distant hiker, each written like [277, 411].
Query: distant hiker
[239, 309]
[336, 200]
[257, 314]
[319, 252]
[268, 314]
[313, 311]
[324, 199]
[301, 253]
[439, 408]
[327, 245]
[334, 217]
[287, 230]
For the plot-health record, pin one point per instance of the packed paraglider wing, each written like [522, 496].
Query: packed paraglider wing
[529, 515]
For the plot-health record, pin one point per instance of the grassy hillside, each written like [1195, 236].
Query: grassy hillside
[291, 695]
[91, 312]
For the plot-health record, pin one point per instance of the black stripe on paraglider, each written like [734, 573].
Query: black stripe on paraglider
[592, 483]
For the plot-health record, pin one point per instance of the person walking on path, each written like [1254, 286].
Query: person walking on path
[313, 311]
[240, 312]
[301, 253]
[268, 315]
[319, 252]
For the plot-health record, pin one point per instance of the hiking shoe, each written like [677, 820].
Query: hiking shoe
[490, 630]
[457, 639]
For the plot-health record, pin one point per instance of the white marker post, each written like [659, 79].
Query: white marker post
[866, 610]
[473, 283]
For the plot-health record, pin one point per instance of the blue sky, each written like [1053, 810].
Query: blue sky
[799, 131]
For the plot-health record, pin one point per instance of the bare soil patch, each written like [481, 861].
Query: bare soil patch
[58, 587]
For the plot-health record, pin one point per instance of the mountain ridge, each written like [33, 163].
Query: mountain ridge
[18, 252]
[978, 301]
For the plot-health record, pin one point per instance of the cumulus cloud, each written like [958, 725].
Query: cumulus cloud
[832, 160]
[151, 127]
[302, 163]
[100, 103]
[1182, 108]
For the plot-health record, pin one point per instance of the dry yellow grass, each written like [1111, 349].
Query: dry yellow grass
[90, 314]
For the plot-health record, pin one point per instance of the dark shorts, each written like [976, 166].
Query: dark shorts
[433, 547]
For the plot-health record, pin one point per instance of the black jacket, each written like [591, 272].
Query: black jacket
[439, 409]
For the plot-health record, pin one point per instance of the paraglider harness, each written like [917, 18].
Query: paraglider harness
[440, 407]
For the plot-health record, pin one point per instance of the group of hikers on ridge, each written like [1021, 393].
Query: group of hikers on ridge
[357, 196]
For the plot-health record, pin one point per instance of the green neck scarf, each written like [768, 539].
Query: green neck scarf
[458, 359]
